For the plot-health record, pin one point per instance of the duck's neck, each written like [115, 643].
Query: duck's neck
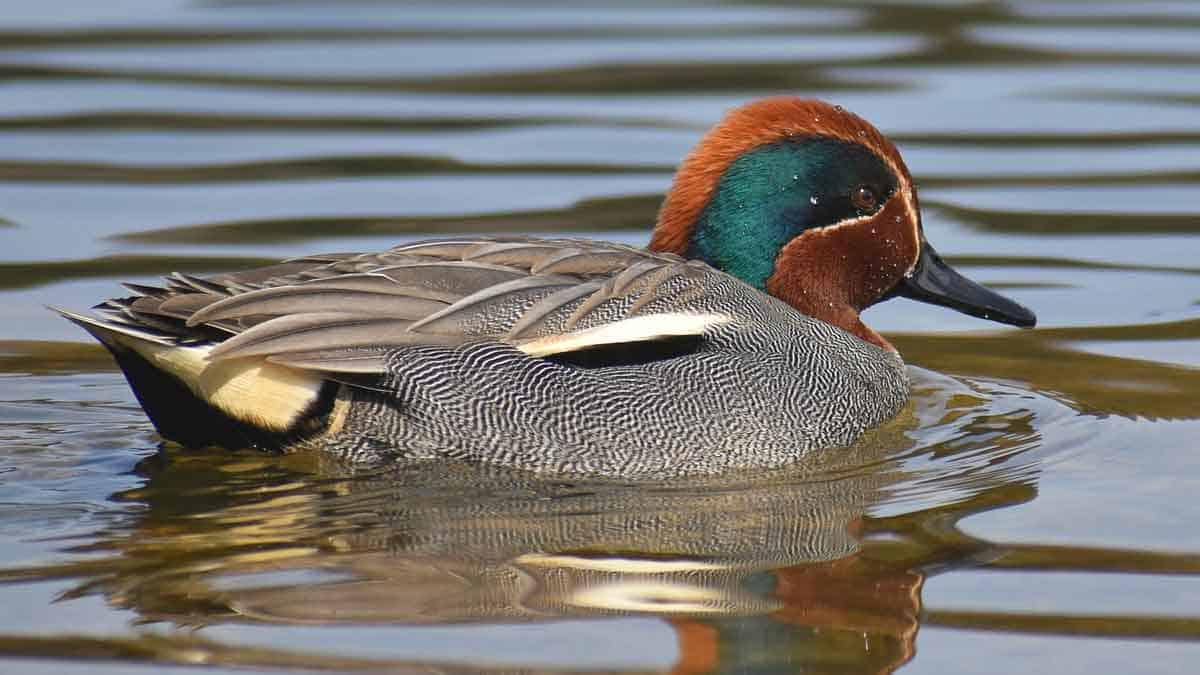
[807, 278]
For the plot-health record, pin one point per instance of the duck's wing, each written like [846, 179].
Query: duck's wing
[349, 313]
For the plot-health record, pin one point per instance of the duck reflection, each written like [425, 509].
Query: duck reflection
[517, 546]
[782, 570]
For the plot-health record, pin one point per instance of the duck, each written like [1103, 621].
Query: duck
[732, 341]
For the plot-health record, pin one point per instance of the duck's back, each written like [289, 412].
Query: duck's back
[549, 355]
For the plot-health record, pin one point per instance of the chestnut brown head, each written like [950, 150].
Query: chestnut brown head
[813, 205]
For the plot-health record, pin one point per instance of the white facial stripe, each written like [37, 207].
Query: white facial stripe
[905, 190]
[910, 208]
[849, 222]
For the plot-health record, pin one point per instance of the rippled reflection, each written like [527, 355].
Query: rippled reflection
[796, 567]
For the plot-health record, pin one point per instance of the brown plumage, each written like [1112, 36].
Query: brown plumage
[755, 124]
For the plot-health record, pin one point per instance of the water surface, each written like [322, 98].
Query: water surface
[1034, 506]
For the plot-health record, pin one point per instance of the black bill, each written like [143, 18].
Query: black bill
[935, 282]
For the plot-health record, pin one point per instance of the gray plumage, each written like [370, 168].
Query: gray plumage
[431, 346]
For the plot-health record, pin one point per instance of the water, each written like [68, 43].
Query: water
[1036, 505]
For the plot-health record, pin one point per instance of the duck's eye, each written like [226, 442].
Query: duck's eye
[864, 198]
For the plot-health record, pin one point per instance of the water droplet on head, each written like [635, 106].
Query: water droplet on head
[839, 108]
[814, 200]
[862, 133]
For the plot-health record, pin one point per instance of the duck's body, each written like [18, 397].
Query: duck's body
[573, 356]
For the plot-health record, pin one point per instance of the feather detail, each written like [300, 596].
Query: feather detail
[524, 254]
[316, 331]
[452, 319]
[379, 282]
[257, 345]
[460, 278]
[372, 361]
[178, 306]
[535, 317]
[578, 261]
[111, 333]
[637, 329]
[309, 298]
[253, 391]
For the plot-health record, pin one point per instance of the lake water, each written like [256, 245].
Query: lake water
[1036, 507]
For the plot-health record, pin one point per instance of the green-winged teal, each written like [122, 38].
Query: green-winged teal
[733, 341]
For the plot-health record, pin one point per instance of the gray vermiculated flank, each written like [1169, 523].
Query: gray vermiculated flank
[428, 334]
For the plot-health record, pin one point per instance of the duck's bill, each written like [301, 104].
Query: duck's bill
[935, 282]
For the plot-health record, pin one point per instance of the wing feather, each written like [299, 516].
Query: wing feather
[320, 330]
[312, 299]
[365, 361]
[535, 318]
[506, 300]
[346, 313]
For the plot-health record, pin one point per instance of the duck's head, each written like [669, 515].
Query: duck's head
[813, 205]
